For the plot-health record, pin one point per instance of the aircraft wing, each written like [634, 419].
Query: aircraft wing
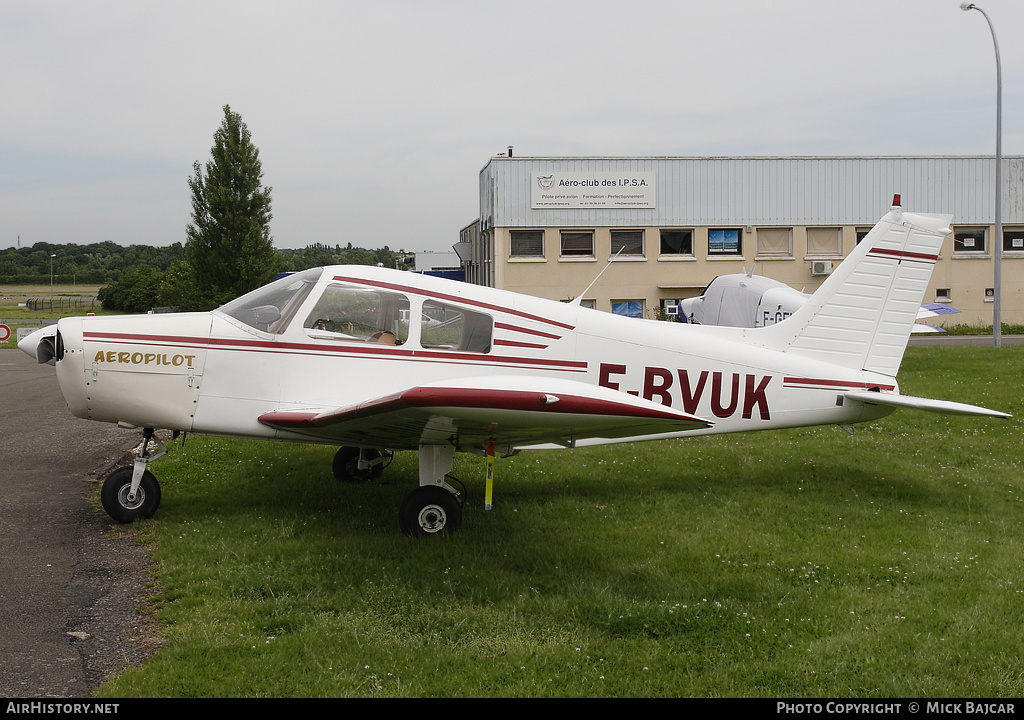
[908, 401]
[470, 412]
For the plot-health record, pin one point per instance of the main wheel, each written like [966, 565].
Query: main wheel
[346, 465]
[430, 510]
[117, 487]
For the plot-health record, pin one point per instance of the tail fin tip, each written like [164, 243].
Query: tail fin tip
[862, 315]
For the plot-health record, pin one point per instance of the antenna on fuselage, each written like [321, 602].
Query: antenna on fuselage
[579, 298]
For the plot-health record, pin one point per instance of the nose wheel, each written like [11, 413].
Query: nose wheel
[131, 493]
[121, 503]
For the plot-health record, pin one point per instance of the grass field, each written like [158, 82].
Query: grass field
[805, 563]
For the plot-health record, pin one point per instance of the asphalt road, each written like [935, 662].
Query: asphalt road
[941, 340]
[70, 578]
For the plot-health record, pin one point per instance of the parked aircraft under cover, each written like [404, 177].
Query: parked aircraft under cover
[748, 300]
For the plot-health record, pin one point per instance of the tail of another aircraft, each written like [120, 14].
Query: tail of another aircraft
[862, 315]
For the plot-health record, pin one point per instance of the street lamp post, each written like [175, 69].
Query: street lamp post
[51, 281]
[997, 290]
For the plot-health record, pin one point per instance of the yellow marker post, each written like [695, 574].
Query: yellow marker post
[490, 476]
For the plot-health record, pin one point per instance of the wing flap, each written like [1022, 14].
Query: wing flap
[471, 411]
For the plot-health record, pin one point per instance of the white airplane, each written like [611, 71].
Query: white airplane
[377, 360]
[748, 300]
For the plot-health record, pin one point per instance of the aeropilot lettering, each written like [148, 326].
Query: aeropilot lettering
[138, 358]
[729, 393]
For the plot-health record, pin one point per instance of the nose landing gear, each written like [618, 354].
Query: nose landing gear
[132, 492]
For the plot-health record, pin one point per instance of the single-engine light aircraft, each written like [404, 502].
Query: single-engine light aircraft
[376, 360]
[748, 300]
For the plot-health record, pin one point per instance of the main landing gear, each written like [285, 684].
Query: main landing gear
[434, 508]
[352, 464]
[132, 492]
[430, 510]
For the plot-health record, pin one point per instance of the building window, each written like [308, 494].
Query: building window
[676, 242]
[628, 308]
[824, 242]
[526, 243]
[669, 309]
[627, 242]
[724, 242]
[1013, 239]
[774, 242]
[577, 243]
[942, 295]
[862, 233]
[969, 240]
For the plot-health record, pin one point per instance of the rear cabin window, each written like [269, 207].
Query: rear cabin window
[360, 315]
[449, 327]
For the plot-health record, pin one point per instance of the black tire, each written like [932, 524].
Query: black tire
[114, 496]
[430, 510]
[346, 465]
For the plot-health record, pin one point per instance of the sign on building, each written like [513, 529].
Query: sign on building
[593, 190]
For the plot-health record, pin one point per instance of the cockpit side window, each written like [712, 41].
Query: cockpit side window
[271, 307]
[449, 327]
[359, 314]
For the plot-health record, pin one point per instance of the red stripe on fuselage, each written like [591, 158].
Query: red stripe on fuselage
[516, 343]
[385, 352]
[528, 331]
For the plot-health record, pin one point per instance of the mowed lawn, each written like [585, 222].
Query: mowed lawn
[805, 563]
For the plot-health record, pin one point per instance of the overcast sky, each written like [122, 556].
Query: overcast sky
[374, 118]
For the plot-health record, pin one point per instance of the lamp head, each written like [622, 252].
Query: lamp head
[965, 6]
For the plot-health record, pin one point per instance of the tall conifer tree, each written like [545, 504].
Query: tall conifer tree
[229, 249]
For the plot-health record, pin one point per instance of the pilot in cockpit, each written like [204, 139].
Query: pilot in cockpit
[385, 337]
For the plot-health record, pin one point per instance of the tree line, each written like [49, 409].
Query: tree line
[228, 251]
[144, 288]
[106, 262]
[84, 264]
[132, 276]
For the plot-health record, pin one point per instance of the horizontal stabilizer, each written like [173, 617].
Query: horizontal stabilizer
[906, 401]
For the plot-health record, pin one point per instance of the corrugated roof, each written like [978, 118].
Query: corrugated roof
[708, 191]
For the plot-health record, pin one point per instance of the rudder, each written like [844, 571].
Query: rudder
[862, 315]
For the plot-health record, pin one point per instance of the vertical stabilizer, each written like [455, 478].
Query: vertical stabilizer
[862, 315]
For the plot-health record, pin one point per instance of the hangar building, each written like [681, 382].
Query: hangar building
[549, 225]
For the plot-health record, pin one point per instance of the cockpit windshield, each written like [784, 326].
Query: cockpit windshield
[271, 307]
